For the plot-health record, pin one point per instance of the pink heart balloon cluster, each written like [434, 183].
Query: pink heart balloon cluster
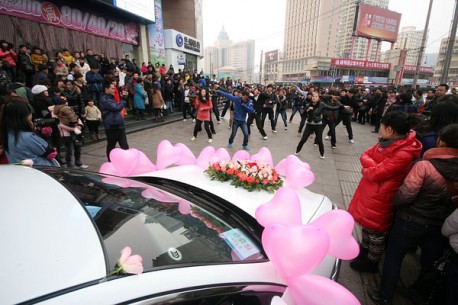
[297, 173]
[125, 163]
[297, 249]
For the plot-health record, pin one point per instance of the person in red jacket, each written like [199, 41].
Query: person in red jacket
[203, 105]
[385, 166]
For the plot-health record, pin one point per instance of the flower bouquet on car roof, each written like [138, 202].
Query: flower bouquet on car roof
[251, 175]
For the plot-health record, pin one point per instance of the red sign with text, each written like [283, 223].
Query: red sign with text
[361, 64]
[423, 69]
[377, 23]
[71, 18]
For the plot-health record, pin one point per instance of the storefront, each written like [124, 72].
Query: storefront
[181, 50]
[74, 25]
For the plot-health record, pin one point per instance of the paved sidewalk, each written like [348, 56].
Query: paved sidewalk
[337, 175]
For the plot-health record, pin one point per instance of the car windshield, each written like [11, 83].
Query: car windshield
[165, 227]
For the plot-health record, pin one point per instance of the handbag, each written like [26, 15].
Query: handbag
[164, 106]
[146, 101]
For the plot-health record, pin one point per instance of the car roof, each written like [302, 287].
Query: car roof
[40, 248]
[243, 199]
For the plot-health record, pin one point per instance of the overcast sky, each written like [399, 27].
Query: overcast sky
[264, 21]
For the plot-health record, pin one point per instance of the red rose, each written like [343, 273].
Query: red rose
[257, 180]
[230, 171]
[265, 181]
[250, 179]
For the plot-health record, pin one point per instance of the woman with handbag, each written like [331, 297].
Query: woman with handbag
[158, 103]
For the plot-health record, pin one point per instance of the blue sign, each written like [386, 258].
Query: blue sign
[179, 40]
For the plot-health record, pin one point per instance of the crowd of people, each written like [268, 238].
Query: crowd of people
[409, 179]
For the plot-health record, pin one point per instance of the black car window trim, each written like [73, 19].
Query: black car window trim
[237, 287]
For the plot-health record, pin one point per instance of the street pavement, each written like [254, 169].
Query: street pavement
[337, 175]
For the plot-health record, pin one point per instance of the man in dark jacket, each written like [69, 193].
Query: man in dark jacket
[41, 76]
[257, 115]
[94, 81]
[112, 118]
[269, 98]
[25, 66]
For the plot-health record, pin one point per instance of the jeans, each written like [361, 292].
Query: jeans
[116, 135]
[169, 105]
[295, 109]
[283, 116]
[244, 127]
[346, 120]
[404, 236]
[198, 127]
[69, 148]
[332, 130]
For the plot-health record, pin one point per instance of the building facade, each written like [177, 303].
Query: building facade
[228, 58]
[453, 69]
[409, 39]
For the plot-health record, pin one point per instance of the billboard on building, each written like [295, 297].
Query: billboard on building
[361, 64]
[377, 23]
[142, 8]
[271, 56]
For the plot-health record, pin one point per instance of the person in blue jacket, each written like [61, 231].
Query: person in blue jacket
[242, 106]
[139, 99]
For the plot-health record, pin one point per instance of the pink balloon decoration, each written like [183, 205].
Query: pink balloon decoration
[207, 157]
[184, 207]
[143, 165]
[108, 169]
[295, 250]
[223, 154]
[281, 167]
[124, 161]
[318, 290]
[167, 154]
[298, 176]
[241, 155]
[339, 225]
[284, 208]
[187, 157]
[263, 155]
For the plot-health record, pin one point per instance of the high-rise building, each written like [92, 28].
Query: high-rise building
[225, 55]
[410, 40]
[324, 28]
[453, 69]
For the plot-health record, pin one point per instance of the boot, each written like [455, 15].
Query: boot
[363, 252]
[365, 265]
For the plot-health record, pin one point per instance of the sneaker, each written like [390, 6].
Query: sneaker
[333, 147]
[327, 137]
[82, 166]
[210, 140]
[219, 122]
[246, 148]
[229, 145]
[184, 120]
[274, 131]
[286, 128]
[193, 120]
[296, 154]
[265, 138]
[299, 133]
[352, 141]
[321, 157]
[375, 296]
[316, 145]
[193, 138]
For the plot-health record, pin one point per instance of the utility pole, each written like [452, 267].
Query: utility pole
[260, 69]
[422, 48]
[450, 44]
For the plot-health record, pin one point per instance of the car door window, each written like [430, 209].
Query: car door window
[165, 229]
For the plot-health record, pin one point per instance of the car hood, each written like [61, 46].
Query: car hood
[312, 204]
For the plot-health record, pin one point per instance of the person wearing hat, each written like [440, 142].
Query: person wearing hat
[41, 101]
[242, 106]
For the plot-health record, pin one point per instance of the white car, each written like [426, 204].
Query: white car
[63, 230]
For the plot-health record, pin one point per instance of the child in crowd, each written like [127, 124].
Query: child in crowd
[385, 166]
[93, 116]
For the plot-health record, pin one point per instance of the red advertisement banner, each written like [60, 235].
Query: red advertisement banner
[362, 64]
[377, 23]
[423, 69]
[271, 56]
[71, 18]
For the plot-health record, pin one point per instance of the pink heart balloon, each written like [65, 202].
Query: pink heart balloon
[263, 155]
[339, 225]
[283, 208]
[241, 155]
[223, 154]
[298, 176]
[318, 290]
[167, 154]
[124, 161]
[187, 157]
[295, 250]
[144, 165]
[292, 159]
[207, 157]
[108, 169]
[281, 167]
